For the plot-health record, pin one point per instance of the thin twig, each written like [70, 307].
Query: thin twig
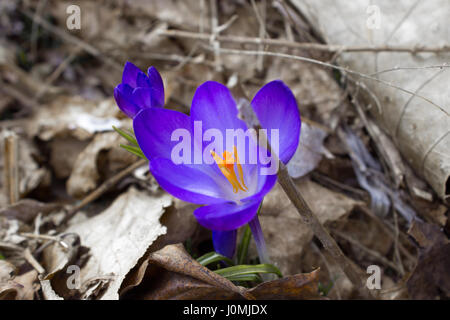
[71, 39]
[327, 265]
[56, 73]
[261, 17]
[402, 20]
[388, 230]
[64, 245]
[13, 92]
[327, 65]
[34, 28]
[213, 37]
[371, 252]
[32, 260]
[102, 189]
[397, 256]
[440, 66]
[311, 220]
[11, 166]
[301, 45]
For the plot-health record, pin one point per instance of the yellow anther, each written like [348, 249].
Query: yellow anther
[226, 166]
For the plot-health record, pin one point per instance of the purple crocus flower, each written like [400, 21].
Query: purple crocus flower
[225, 181]
[138, 90]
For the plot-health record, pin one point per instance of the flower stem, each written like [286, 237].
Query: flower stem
[255, 226]
[258, 236]
[311, 220]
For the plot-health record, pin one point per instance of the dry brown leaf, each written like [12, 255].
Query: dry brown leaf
[68, 124]
[85, 174]
[180, 223]
[71, 148]
[175, 259]
[302, 286]
[7, 271]
[28, 281]
[9, 290]
[55, 257]
[26, 210]
[31, 174]
[48, 292]
[173, 274]
[14, 287]
[430, 278]
[74, 116]
[119, 237]
[181, 226]
[283, 229]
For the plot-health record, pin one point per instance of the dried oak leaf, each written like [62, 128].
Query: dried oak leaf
[117, 238]
[16, 287]
[26, 210]
[430, 278]
[171, 273]
[181, 225]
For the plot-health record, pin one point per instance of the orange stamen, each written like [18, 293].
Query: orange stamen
[226, 166]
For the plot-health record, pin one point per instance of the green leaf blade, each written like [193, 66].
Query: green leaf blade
[248, 269]
[127, 136]
[243, 246]
[134, 150]
[212, 257]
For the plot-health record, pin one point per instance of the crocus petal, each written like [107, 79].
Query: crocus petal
[215, 107]
[153, 128]
[225, 242]
[142, 97]
[276, 108]
[186, 183]
[265, 184]
[123, 94]
[154, 82]
[157, 86]
[142, 80]
[130, 74]
[227, 215]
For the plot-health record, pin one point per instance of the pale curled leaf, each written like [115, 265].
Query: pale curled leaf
[119, 236]
[420, 129]
[74, 116]
[85, 175]
[309, 152]
[48, 292]
[7, 271]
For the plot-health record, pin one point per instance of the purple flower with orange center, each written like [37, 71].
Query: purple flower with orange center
[194, 159]
[211, 157]
[138, 90]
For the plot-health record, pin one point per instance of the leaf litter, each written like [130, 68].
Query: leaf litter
[131, 240]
